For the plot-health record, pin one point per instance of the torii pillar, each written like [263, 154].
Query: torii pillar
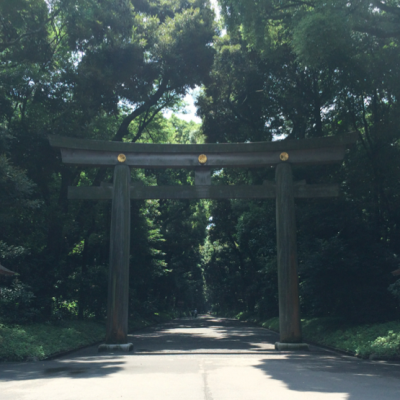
[118, 282]
[288, 285]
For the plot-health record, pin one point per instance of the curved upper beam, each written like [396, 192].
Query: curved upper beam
[145, 155]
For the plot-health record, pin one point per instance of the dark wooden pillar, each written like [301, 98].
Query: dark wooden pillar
[118, 284]
[289, 308]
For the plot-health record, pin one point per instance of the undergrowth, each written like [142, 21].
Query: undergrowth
[42, 340]
[19, 342]
[375, 341]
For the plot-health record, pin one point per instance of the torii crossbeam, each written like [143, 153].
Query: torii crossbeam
[203, 158]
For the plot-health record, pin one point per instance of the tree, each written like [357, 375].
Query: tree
[305, 69]
[88, 69]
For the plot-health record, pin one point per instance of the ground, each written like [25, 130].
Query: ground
[201, 359]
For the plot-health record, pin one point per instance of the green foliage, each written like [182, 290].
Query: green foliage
[21, 342]
[15, 177]
[306, 24]
[298, 70]
[374, 341]
[11, 252]
[16, 191]
[106, 70]
[17, 342]
[272, 323]
[394, 289]
[239, 259]
[24, 29]
[97, 70]
[16, 304]
[329, 38]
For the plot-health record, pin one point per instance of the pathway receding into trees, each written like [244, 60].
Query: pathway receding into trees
[201, 359]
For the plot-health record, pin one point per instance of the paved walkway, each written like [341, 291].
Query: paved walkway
[202, 359]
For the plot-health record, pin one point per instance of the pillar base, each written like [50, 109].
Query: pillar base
[116, 347]
[291, 346]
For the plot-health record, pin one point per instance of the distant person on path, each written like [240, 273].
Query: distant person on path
[195, 312]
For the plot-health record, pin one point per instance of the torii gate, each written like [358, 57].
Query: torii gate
[202, 158]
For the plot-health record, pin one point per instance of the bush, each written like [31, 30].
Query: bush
[42, 340]
[394, 289]
[377, 341]
[16, 303]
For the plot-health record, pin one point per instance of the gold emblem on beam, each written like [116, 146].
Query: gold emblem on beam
[284, 156]
[121, 158]
[202, 158]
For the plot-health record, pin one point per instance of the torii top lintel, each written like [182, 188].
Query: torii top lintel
[322, 150]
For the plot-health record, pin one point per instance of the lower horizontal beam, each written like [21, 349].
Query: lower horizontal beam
[139, 192]
[316, 191]
[90, 192]
[203, 192]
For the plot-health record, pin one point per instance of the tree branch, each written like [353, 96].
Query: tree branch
[5, 45]
[123, 129]
[376, 32]
[386, 8]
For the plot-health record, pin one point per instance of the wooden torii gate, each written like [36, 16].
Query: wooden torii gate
[203, 158]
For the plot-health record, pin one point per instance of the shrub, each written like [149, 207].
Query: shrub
[394, 289]
[16, 303]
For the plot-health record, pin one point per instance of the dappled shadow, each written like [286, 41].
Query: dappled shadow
[92, 367]
[314, 372]
[204, 336]
[324, 372]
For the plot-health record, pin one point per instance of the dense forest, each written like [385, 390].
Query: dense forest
[267, 70]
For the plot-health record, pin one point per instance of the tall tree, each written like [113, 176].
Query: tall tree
[87, 69]
[305, 69]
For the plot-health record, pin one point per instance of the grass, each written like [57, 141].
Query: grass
[19, 342]
[42, 340]
[375, 341]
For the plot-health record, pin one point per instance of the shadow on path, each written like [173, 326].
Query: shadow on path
[326, 372]
[56, 369]
[206, 335]
[318, 371]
